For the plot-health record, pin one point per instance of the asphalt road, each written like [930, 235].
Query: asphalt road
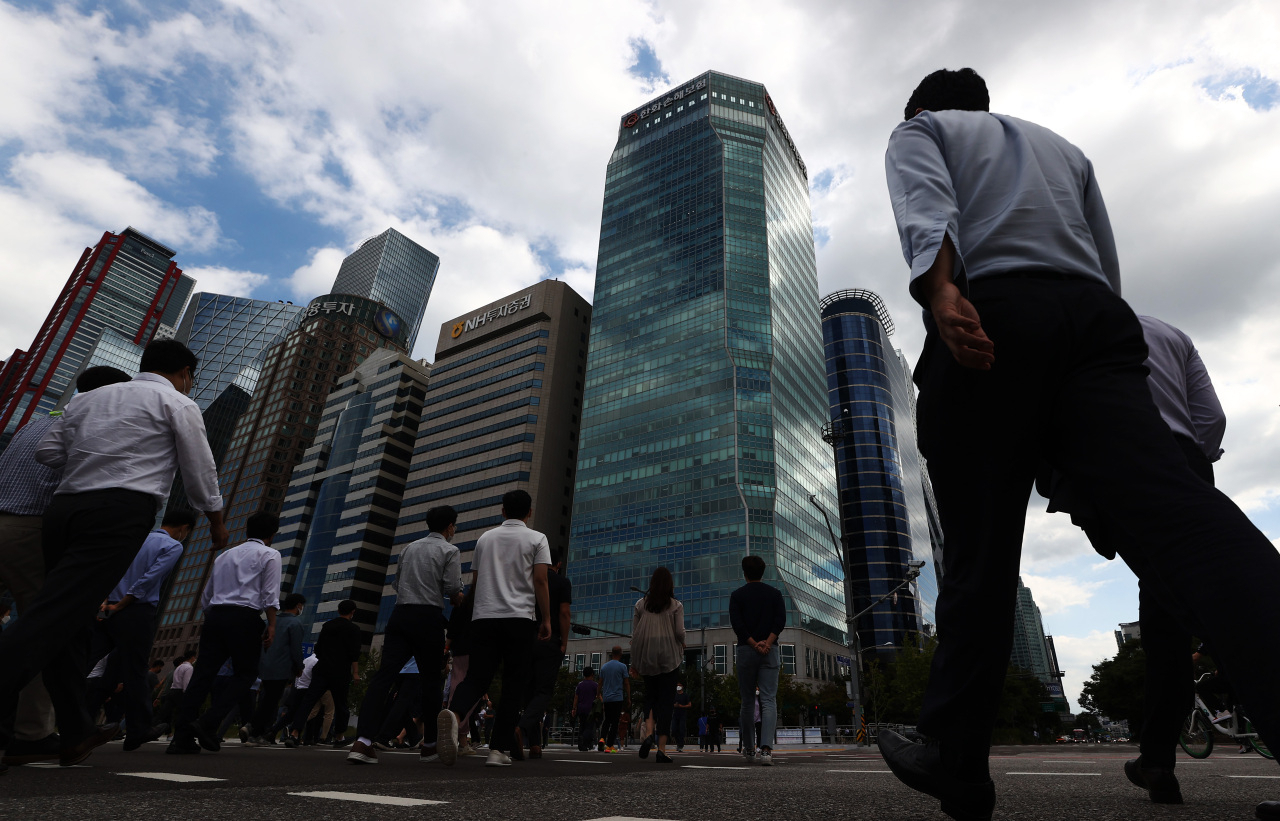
[247, 784]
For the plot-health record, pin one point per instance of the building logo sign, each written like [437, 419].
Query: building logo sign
[316, 308]
[518, 304]
[386, 323]
[634, 117]
[782, 127]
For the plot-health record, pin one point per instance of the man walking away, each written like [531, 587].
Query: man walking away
[510, 564]
[243, 584]
[128, 622]
[430, 573]
[281, 663]
[171, 700]
[548, 656]
[585, 696]
[758, 615]
[702, 732]
[715, 726]
[337, 665]
[679, 717]
[615, 690]
[1032, 357]
[26, 490]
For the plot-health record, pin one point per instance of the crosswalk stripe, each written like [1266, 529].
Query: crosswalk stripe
[1253, 776]
[625, 818]
[181, 778]
[858, 771]
[53, 765]
[577, 761]
[1067, 774]
[392, 800]
[705, 767]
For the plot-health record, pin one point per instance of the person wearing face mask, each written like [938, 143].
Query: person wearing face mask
[119, 447]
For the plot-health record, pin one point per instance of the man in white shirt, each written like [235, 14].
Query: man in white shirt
[243, 584]
[1033, 357]
[119, 447]
[510, 564]
[429, 574]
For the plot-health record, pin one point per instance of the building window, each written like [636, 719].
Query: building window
[720, 657]
[595, 661]
[788, 656]
[579, 662]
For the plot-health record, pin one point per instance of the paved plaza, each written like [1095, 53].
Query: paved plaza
[1068, 782]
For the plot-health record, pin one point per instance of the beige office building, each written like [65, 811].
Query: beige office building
[502, 413]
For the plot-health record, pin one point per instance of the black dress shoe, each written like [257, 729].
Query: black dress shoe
[1267, 810]
[1160, 783]
[29, 752]
[645, 747]
[920, 767]
[207, 739]
[182, 746]
[75, 753]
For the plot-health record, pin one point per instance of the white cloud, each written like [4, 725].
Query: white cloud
[316, 277]
[219, 280]
[1056, 594]
[1078, 654]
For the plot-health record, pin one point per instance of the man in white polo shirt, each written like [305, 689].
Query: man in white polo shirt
[510, 564]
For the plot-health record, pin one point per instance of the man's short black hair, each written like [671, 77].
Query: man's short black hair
[292, 600]
[440, 517]
[516, 504]
[167, 356]
[346, 607]
[753, 568]
[100, 376]
[944, 89]
[588, 672]
[179, 516]
[262, 525]
[157, 663]
[557, 555]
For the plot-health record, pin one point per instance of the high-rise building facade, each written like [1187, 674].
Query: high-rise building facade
[888, 515]
[394, 270]
[1029, 650]
[336, 333]
[338, 522]
[501, 414]
[129, 283]
[705, 394]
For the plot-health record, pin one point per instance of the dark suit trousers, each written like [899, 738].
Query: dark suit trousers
[324, 679]
[494, 642]
[1069, 388]
[268, 704]
[414, 631]
[88, 540]
[127, 636]
[541, 689]
[229, 632]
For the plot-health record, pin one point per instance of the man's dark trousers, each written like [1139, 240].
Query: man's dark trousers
[414, 631]
[1169, 689]
[126, 634]
[505, 642]
[546, 662]
[1069, 388]
[229, 632]
[609, 731]
[333, 679]
[268, 704]
[88, 540]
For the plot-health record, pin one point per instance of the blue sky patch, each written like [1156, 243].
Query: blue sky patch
[647, 66]
[1259, 92]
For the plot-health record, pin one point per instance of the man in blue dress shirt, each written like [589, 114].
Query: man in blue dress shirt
[128, 621]
[1032, 357]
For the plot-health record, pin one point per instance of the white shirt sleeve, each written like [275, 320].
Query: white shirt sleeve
[270, 581]
[52, 450]
[199, 472]
[1206, 411]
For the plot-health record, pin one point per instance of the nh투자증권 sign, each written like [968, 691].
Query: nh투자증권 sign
[517, 304]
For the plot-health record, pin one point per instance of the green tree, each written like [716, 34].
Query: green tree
[793, 698]
[910, 676]
[1116, 687]
[368, 666]
[876, 692]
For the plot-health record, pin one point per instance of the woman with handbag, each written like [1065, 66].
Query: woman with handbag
[657, 651]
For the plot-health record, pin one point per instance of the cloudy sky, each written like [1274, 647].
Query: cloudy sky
[264, 140]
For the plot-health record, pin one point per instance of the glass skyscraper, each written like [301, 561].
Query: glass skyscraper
[887, 512]
[394, 270]
[704, 397]
[129, 283]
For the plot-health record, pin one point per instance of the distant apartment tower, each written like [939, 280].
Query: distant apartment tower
[230, 336]
[337, 332]
[502, 414]
[338, 523]
[1030, 652]
[392, 269]
[127, 283]
[1129, 631]
[706, 391]
[887, 512]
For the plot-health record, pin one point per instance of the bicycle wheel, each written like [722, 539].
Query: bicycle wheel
[1197, 735]
[1257, 742]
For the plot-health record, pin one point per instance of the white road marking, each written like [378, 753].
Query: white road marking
[1067, 774]
[625, 818]
[179, 777]
[859, 771]
[1253, 776]
[705, 767]
[391, 800]
[578, 761]
[53, 765]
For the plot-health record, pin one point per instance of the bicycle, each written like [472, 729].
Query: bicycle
[1199, 729]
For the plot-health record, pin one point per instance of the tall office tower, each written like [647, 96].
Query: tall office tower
[394, 270]
[339, 518]
[112, 349]
[231, 337]
[1056, 693]
[705, 393]
[129, 283]
[887, 511]
[501, 414]
[1029, 650]
[336, 333]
